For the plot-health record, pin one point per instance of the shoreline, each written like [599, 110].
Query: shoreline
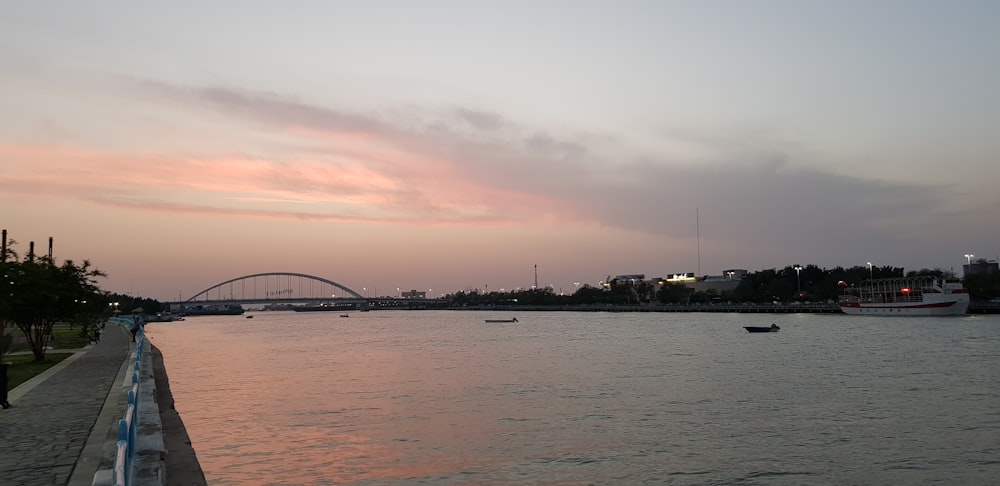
[181, 462]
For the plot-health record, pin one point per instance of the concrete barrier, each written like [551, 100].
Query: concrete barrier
[139, 451]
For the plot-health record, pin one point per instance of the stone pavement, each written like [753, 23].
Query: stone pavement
[42, 437]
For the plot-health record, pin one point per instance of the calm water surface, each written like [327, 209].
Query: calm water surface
[399, 397]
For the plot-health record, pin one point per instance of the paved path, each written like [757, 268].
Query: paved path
[43, 435]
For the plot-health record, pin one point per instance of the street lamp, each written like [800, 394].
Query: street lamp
[870, 274]
[798, 281]
[968, 258]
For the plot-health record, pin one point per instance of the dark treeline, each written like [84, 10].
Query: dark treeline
[127, 304]
[809, 283]
[36, 293]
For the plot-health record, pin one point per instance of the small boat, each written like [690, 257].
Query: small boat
[501, 320]
[345, 315]
[249, 317]
[771, 328]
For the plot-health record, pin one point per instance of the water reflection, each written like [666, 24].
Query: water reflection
[563, 398]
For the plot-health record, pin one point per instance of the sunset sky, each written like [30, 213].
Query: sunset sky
[454, 144]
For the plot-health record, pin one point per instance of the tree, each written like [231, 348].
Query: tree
[38, 294]
[674, 293]
[983, 286]
[127, 303]
[620, 293]
[926, 272]
[6, 253]
[587, 295]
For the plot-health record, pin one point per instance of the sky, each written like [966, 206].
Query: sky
[455, 145]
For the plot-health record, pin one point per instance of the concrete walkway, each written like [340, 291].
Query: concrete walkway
[57, 415]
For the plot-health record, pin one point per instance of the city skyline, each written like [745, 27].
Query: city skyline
[571, 287]
[445, 145]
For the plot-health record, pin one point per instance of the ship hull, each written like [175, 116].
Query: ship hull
[944, 308]
[906, 296]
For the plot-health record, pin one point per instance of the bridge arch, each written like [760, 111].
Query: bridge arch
[253, 278]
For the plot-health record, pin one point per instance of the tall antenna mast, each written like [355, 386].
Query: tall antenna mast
[697, 232]
[536, 275]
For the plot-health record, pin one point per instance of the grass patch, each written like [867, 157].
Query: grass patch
[63, 337]
[23, 367]
[67, 337]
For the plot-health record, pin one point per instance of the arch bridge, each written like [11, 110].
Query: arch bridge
[276, 287]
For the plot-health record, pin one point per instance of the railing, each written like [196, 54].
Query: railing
[126, 447]
[122, 321]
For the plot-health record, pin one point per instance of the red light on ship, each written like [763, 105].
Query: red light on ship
[905, 290]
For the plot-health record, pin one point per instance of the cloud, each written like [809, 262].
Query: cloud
[462, 165]
[480, 120]
[268, 108]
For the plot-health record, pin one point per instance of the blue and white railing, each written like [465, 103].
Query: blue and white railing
[125, 454]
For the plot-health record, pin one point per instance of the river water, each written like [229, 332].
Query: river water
[441, 397]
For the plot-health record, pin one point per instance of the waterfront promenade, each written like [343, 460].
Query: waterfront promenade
[62, 427]
[43, 436]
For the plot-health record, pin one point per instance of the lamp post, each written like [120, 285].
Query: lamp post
[798, 280]
[870, 274]
[968, 258]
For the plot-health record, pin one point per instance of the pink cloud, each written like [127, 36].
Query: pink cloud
[366, 179]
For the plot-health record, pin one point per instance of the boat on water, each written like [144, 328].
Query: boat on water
[501, 320]
[771, 328]
[906, 296]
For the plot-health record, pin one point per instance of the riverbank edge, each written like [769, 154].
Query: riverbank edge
[181, 465]
[164, 456]
[811, 308]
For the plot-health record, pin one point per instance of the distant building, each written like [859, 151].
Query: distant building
[981, 266]
[680, 278]
[624, 280]
[414, 294]
[728, 281]
[716, 283]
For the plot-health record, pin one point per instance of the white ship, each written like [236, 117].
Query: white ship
[909, 296]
